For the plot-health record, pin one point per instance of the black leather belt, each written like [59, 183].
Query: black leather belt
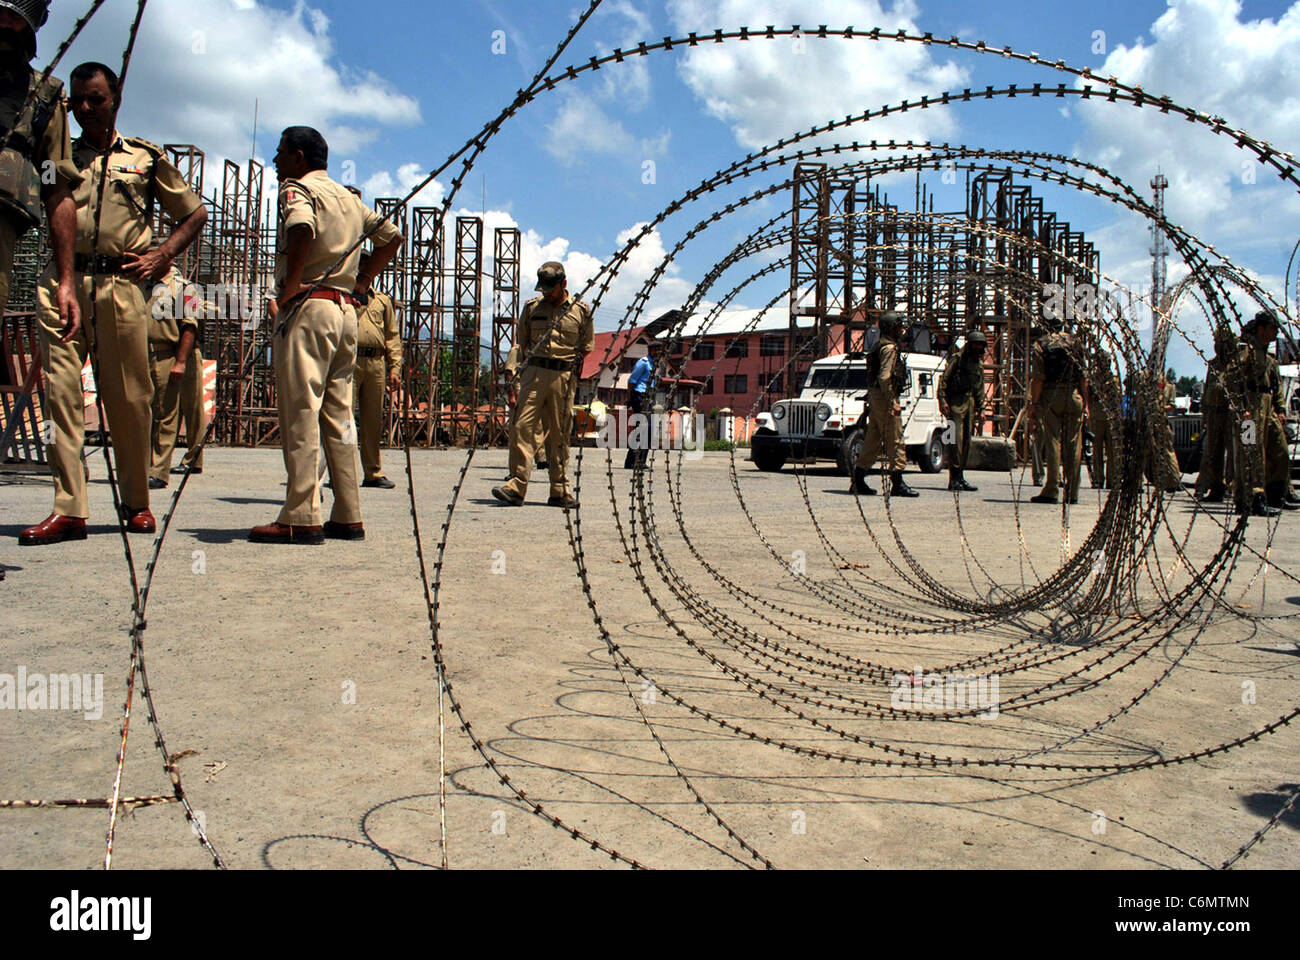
[370, 352]
[98, 266]
[547, 363]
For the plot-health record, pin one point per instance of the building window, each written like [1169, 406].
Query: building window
[675, 348]
[737, 383]
[772, 345]
[707, 389]
[778, 384]
[703, 350]
[738, 348]
[627, 364]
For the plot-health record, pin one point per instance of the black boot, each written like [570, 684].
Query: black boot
[963, 485]
[860, 485]
[1214, 494]
[1259, 507]
[898, 486]
[1288, 496]
[1277, 496]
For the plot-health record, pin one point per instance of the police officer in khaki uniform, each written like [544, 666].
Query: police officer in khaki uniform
[1104, 417]
[1058, 394]
[175, 315]
[961, 400]
[1211, 481]
[118, 268]
[315, 345]
[379, 345]
[554, 334]
[1164, 470]
[1263, 461]
[886, 377]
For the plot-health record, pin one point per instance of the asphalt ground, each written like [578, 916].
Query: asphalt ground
[297, 691]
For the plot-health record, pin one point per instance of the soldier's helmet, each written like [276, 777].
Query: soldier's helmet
[35, 12]
[890, 323]
[1225, 343]
[976, 338]
[1266, 318]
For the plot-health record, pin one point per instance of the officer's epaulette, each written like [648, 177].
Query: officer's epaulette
[533, 302]
[149, 145]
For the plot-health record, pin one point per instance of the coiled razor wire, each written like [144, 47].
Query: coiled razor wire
[1094, 588]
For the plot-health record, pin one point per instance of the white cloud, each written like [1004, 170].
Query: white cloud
[387, 184]
[199, 68]
[1205, 57]
[766, 90]
[583, 128]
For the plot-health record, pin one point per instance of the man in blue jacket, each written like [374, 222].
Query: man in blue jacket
[640, 396]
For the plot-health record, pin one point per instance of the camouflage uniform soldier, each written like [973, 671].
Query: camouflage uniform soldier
[1214, 422]
[1059, 387]
[886, 377]
[1103, 415]
[961, 399]
[555, 333]
[1263, 461]
[36, 170]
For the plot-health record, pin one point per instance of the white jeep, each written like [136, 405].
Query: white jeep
[828, 419]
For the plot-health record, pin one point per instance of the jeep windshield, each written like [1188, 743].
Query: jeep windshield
[837, 379]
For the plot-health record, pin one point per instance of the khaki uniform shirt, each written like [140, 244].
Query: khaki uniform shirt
[1038, 359]
[337, 219]
[1171, 396]
[888, 358]
[377, 328]
[973, 376]
[176, 304]
[1252, 373]
[539, 334]
[138, 173]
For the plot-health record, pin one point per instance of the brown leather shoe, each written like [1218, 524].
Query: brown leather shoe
[53, 529]
[344, 531]
[139, 521]
[283, 533]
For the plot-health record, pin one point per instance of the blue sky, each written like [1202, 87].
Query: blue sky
[398, 85]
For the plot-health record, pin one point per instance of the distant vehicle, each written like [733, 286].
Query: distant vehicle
[1291, 401]
[827, 421]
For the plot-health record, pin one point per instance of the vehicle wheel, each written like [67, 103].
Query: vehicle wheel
[933, 455]
[769, 459]
[849, 448]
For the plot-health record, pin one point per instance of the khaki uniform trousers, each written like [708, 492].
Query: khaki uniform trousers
[369, 383]
[1164, 470]
[313, 391]
[123, 380]
[1105, 449]
[884, 431]
[175, 402]
[1062, 408]
[963, 420]
[1262, 455]
[545, 407]
[1215, 422]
